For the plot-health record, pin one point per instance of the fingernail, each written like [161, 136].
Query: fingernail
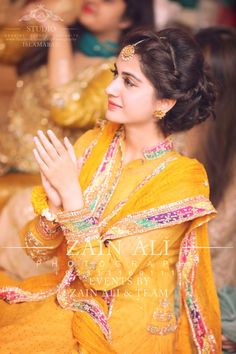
[49, 131]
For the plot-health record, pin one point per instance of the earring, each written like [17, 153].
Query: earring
[159, 114]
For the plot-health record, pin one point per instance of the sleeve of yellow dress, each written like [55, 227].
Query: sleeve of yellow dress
[41, 239]
[74, 109]
[106, 265]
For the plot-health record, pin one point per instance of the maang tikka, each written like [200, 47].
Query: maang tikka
[128, 51]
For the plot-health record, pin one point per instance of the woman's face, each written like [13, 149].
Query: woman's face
[103, 16]
[131, 96]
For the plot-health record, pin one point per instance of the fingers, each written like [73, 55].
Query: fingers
[41, 151]
[51, 150]
[42, 165]
[70, 149]
[56, 143]
[80, 164]
[44, 180]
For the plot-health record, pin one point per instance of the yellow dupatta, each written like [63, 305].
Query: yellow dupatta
[183, 182]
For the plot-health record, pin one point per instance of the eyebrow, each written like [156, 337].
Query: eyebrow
[128, 74]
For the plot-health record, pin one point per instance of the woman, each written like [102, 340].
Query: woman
[75, 100]
[138, 208]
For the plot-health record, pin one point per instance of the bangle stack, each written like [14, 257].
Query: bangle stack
[48, 230]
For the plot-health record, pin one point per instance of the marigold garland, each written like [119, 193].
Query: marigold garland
[39, 200]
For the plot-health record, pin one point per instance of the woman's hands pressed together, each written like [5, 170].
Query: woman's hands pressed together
[59, 170]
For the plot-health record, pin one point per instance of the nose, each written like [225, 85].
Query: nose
[113, 88]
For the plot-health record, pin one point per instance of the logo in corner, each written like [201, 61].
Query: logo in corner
[41, 14]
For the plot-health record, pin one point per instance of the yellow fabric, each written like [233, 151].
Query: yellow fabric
[36, 107]
[142, 280]
[90, 104]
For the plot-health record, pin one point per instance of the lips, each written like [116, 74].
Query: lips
[88, 8]
[113, 105]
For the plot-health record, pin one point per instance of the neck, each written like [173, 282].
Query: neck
[140, 137]
[113, 36]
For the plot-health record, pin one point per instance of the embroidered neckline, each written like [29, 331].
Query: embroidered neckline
[153, 152]
[158, 150]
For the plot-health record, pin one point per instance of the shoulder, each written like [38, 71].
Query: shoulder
[187, 176]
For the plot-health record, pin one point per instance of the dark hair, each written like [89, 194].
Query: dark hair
[219, 46]
[172, 61]
[140, 12]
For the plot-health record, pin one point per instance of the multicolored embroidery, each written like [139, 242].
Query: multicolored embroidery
[108, 296]
[163, 216]
[35, 249]
[188, 260]
[157, 151]
[99, 183]
[68, 299]
[14, 295]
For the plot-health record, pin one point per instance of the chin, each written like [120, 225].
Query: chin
[113, 118]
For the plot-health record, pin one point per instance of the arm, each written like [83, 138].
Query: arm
[41, 238]
[61, 68]
[75, 107]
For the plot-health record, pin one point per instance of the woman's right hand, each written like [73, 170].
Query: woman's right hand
[54, 199]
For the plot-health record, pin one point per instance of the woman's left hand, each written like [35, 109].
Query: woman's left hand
[58, 164]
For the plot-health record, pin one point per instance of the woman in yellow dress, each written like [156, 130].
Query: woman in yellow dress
[126, 215]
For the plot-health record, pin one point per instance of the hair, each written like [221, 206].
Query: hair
[219, 47]
[140, 12]
[174, 64]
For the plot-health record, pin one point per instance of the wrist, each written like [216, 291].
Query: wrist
[72, 199]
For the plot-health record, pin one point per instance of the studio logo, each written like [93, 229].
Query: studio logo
[40, 14]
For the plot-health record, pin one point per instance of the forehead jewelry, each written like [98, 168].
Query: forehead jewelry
[128, 51]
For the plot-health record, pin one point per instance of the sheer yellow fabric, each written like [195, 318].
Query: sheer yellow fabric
[83, 101]
[140, 268]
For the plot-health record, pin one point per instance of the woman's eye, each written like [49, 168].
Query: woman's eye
[128, 82]
[114, 72]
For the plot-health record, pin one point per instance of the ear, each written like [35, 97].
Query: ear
[165, 104]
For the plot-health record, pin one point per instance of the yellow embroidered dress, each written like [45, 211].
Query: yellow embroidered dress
[143, 231]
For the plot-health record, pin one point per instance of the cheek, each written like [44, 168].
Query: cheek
[135, 107]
